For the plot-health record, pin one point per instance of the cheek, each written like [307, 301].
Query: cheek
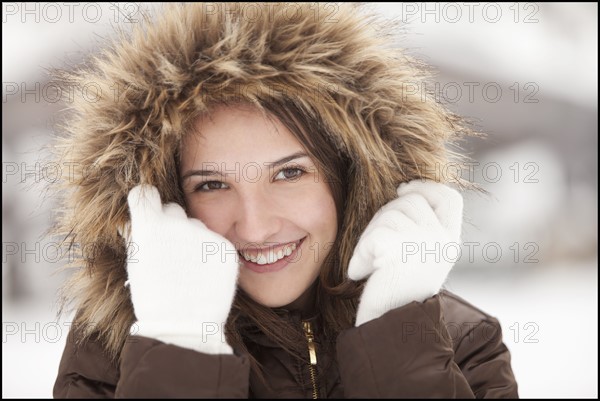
[213, 215]
[316, 213]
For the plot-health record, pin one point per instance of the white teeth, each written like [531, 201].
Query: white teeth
[288, 250]
[269, 256]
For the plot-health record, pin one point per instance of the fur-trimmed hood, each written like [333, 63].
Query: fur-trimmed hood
[337, 62]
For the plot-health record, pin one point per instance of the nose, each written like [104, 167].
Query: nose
[257, 220]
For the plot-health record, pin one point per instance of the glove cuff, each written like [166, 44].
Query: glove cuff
[207, 337]
[400, 285]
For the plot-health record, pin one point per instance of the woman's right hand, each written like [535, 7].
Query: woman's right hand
[182, 276]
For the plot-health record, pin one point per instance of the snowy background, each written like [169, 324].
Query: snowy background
[525, 73]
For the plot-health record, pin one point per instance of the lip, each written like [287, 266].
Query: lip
[272, 267]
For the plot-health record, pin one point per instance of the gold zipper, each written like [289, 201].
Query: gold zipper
[312, 353]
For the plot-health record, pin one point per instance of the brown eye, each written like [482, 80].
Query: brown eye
[291, 174]
[210, 186]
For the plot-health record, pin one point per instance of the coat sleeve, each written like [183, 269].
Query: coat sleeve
[84, 371]
[408, 352]
[485, 361]
[151, 369]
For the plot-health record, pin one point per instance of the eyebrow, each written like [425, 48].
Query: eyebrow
[214, 172]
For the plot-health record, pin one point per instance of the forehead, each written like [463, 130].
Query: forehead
[238, 135]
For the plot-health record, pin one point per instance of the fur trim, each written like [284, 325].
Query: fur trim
[339, 65]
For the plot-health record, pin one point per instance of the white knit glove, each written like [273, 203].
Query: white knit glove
[182, 276]
[408, 248]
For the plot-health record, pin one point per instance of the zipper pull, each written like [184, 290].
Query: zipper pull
[312, 350]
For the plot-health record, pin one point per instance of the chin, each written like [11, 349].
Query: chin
[272, 301]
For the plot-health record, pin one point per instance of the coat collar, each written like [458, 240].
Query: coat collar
[301, 309]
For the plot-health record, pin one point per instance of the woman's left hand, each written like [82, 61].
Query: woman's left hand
[408, 248]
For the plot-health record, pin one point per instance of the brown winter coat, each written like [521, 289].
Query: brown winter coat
[441, 348]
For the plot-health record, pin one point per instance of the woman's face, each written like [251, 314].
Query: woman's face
[250, 180]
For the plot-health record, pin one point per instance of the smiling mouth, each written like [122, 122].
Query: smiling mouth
[270, 255]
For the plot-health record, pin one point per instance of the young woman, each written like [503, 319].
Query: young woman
[257, 202]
